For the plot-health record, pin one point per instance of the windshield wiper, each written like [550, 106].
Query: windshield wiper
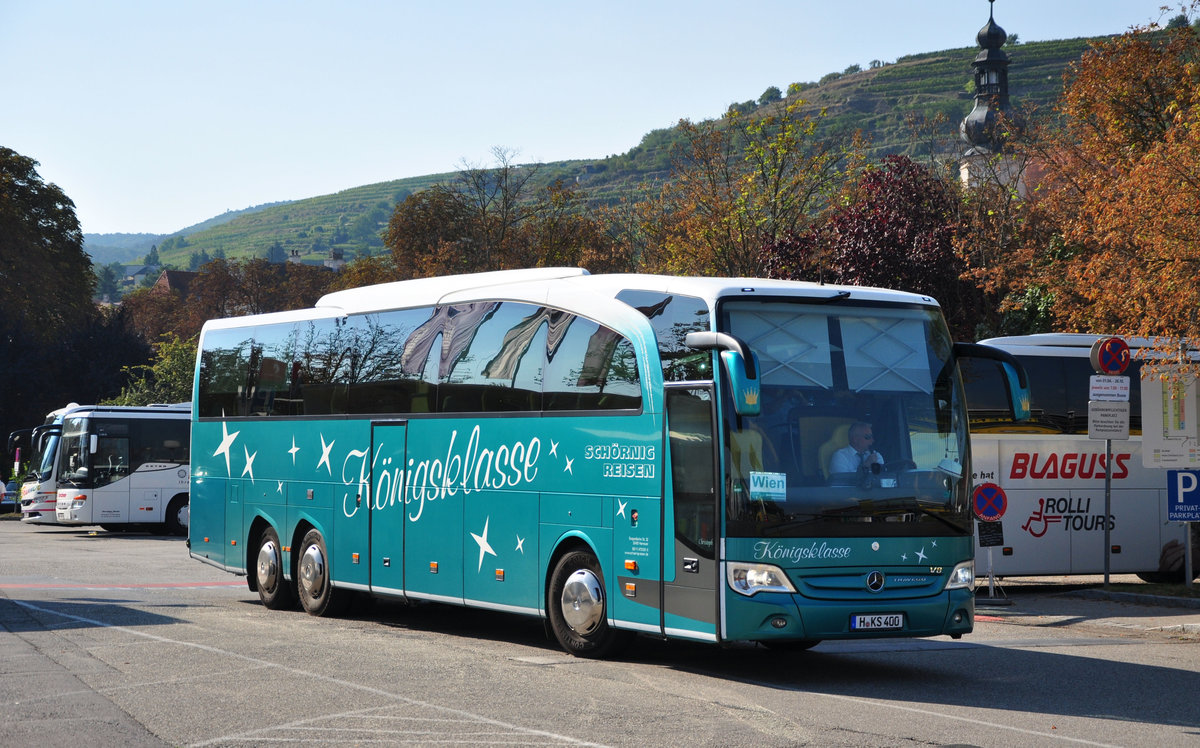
[790, 521]
[922, 507]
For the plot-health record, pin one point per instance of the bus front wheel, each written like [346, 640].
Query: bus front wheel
[318, 596]
[577, 608]
[273, 589]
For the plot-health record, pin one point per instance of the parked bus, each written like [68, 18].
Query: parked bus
[1053, 475]
[124, 467]
[39, 488]
[623, 453]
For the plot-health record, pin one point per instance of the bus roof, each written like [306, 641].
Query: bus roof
[575, 284]
[167, 409]
[1078, 344]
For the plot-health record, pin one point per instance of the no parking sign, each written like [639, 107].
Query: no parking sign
[989, 502]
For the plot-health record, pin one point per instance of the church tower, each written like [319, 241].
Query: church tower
[984, 140]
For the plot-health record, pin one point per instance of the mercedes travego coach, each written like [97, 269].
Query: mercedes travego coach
[617, 454]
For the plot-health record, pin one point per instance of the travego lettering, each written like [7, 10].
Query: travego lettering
[1071, 465]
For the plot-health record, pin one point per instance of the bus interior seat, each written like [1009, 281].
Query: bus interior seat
[838, 438]
[746, 449]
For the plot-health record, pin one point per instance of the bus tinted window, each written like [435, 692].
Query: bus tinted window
[378, 380]
[224, 371]
[593, 368]
[466, 358]
[1058, 387]
[496, 365]
[673, 317]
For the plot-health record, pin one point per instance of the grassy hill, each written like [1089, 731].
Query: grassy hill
[875, 101]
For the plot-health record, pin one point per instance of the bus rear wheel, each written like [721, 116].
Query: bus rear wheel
[318, 596]
[177, 516]
[273, 588]
[578, 610]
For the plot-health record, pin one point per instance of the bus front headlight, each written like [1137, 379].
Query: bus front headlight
[748, 579]
[962, 577]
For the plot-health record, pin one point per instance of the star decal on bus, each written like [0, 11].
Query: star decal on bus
[294, 449]
[484, 546]
[621, 507]
[521, 545]
[553, 448]
[568, 469]
[921, 554]
[325, 450]
[249, 463]
[226, 442]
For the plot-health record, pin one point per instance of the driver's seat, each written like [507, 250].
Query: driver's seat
[838, 439]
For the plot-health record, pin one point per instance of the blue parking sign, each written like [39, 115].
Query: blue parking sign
[1183, 496]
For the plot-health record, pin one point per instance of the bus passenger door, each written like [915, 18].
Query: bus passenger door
[384, 504]
[690, 529]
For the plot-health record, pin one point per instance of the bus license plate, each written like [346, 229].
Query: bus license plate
[877, 622]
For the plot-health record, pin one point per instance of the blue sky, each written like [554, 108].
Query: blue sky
[156, 115]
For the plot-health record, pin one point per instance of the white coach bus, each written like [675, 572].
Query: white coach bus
[1052, 475]
[124, 467]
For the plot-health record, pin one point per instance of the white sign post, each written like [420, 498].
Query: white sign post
[1108, 418]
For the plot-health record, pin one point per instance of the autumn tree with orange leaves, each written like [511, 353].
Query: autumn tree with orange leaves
[736, 185]
[1114, 226]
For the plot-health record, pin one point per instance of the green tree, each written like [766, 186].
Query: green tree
[737, 185]
[276, 253]
[166, 379]
[197, 259]
[40, 243]
[151, 257]
[108, 281]
[771, 95]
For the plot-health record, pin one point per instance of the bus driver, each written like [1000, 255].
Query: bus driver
[859, 454]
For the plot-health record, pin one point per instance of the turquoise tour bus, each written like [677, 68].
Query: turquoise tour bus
[618, 454]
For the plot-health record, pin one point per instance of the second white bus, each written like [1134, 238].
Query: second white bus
[1052, 475]
[124, 467]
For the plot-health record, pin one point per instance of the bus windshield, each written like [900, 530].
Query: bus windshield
[863, 428]
[41, 466]
[73, 452]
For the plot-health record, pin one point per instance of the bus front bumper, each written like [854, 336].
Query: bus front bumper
[779, 616]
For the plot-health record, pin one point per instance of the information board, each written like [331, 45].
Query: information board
[990, 534]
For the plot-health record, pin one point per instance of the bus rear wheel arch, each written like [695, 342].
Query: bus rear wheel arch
[177, 517]
[578, 608]
[317, 594]
[274, 589]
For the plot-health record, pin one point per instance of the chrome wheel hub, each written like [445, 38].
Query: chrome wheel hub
[583, 602]
[312, 571]
[268, 565]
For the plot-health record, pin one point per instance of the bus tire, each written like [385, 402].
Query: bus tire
[273, 589]
[177, 516]
[578, 610]
[318, 596]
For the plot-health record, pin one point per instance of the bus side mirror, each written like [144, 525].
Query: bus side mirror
[1014, 375]
[740, 365]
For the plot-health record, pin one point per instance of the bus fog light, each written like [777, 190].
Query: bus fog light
[962, 577]
[958, 616]
[748, 579]
[779, 622]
